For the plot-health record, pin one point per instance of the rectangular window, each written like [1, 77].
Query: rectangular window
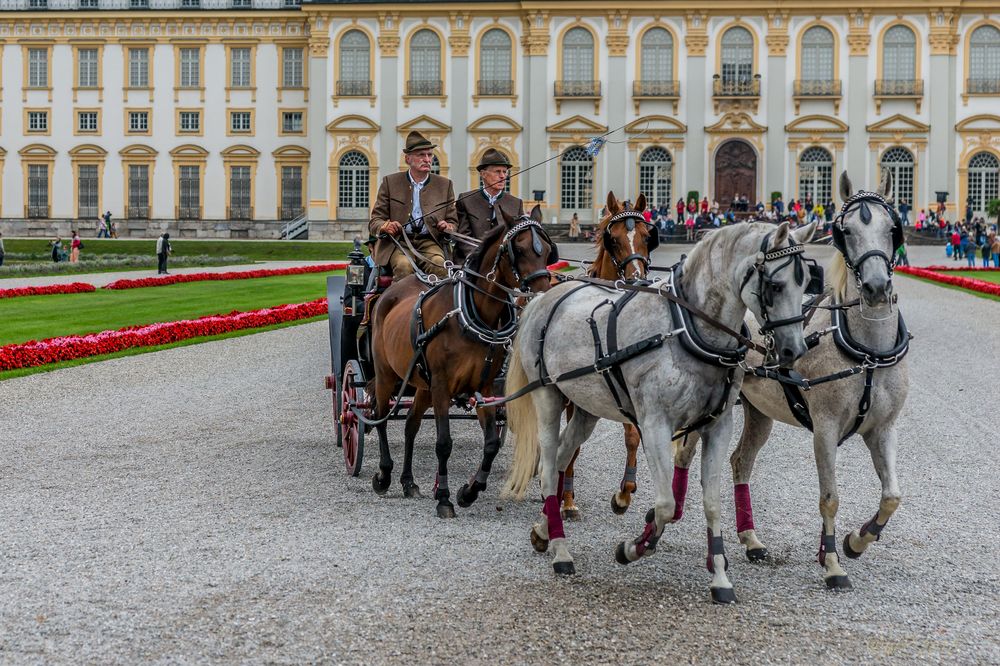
[241, 4]
[190, 121]
[138, 68]
[38, 190]
[87, 189]
[239, 75]
[138, 191]
[138, 122]
[291, 192]
[190, 68]
[38, 4]
[191, 3]
[86, 121]
[239, 121]
[190, 192]
[38, 121]
[291, 122]
[87, 64]
[239, 193]
[38, 68]
[138, 4]
[88, 4]
[292, 68]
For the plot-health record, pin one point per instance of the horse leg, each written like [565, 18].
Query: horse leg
[756, 430]
[661, 470]
[383, 395]
[441, 402]
[569, 508]
[621, 500]
[421, 401]
[716, 438]
[882, 446]
[549, 530]
[469, 492]
[825, 450]
[683, 455]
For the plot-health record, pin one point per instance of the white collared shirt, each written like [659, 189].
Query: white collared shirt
[418, 212]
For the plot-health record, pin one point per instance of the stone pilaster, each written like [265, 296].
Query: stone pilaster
[695, 100]
[619, 168]
[777, 92]
[858, 93]
[458, 155]
[942, 174]
[390, 92]
[536, 92]
[319, 45]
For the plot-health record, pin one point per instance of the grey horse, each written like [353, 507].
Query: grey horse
[664, 389]
[861, 274]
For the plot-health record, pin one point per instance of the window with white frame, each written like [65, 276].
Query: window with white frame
[737, 56]
[38, 68]
[355, 64]
[292, 68]
[578, 56]
[984, 60]
[817, 54]
[190, 67]
[353, 180]
[291, 122]
[816, 175]
[657, 55]
[138, 191]
[86, 121]
[899, 162]
[655, 176]
[495, 56]
[138, 68]
[984, 180]
[88, 191]
[291, 192]
[38, 121]
[239, 193]
[138, 121]
[87, 68]
[899, 54]
[239, 75]
[576, 180]
[425, 64]
[192, 4]
[189, 191]
[239, 121]
[190, 121]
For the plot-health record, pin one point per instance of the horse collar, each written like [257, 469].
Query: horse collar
[690, 339]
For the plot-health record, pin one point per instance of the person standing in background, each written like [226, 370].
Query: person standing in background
[163, 250]
[1, 249]
[74, 248]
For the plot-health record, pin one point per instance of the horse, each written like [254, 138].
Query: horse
[448, 341]
[668, 369]
[624, 243]
[867, 233]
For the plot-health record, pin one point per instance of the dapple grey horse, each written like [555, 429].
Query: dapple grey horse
[664, 389]
[861, 274]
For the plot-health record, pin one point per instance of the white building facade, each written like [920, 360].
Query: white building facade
[225, 119]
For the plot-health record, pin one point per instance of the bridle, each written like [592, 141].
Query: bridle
[860, 200]
[507, 249]
[630, 218]
[767, 286]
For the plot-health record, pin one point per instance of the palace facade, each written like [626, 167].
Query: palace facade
[227, 117]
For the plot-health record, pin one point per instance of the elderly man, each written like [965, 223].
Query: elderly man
[477, 208]
[418, 204]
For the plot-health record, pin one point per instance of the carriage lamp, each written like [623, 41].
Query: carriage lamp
[356, 269]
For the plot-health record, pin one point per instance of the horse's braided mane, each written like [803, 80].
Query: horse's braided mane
[599, 244]
[475, 260]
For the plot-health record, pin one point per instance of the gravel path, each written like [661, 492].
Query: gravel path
[189, 506]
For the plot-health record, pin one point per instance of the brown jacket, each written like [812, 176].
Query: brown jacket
[475, 213]
[395, 202]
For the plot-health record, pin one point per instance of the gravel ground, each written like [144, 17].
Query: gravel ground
[190, 505]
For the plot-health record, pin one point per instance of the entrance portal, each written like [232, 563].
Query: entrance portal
[735, 173]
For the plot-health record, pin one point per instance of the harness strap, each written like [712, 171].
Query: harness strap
[714, 414]
[863, 406]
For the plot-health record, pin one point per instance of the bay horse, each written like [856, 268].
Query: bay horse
[869, 337]
[746, 266]
[624, 243]
[453, 334]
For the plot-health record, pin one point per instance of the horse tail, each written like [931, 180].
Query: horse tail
[523, 424]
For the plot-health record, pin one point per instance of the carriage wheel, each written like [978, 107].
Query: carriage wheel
[351, 432]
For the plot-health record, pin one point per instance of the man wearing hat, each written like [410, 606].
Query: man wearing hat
[418, 204]
[477, 208]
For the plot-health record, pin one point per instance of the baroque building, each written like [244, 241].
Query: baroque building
[230, 117]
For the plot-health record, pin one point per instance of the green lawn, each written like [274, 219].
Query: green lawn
[40, 317]
[254, 250]
[985, 276]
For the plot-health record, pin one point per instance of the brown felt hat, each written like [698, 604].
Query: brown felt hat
[416, 141]
[493, 157]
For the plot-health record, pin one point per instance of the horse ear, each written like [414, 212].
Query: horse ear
[846, 189]
[613, 206]
[536, 213]
[780, 236]
[804, 234]
[885, 184]
[640, 203]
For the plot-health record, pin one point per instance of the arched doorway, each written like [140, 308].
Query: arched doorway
[735, 172]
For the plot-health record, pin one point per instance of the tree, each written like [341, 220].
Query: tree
[993, 209]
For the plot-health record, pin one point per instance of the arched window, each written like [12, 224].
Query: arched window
[577, 64]
[817, 54]
[495, 64]
[899, 56]
[657, 61]
[899, 162]
[984, 60]
[655, 175]
[435, 165]
[984, 180]
[425, 64]
[737, 56]
[816, 175]
[577, 180]
[506, 185]
[352, 195]
[354, 77]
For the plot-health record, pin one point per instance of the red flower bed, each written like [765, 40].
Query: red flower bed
[32, 353]
[559, 265]
[232, 275]
[72, 288]
[938, 269]
[972, 284]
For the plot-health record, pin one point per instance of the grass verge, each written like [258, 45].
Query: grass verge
[253, 250]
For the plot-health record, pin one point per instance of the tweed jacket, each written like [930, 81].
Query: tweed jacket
[395, 202]
[475, 216]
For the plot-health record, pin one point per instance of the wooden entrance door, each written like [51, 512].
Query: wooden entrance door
[735, 173]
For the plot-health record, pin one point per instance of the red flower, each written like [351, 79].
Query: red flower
[931, 273]
[232, 275]
[72, 288]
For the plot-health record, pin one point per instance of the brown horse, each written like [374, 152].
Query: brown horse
[623, 249]
[457, 329]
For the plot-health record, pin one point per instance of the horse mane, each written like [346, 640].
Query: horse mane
[837, 277]
[475, 260]
[599, 246]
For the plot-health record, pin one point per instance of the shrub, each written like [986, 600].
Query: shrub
[692, 194]
[775, 195]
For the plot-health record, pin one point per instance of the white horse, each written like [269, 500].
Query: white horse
[755, 266]
[867, 234]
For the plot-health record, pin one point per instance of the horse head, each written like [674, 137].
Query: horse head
[523, 252]
[625, 239]
[866, 228]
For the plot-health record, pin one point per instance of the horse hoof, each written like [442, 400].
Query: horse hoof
[465, 497]
[651, 515]
[538, 543]
[757, 554]
[412, 490]
[445, 510]
[839, 583]
[564, 568]
[850, 552]
[723, 595]
[620, 556]
[617, 508]
[571, 514]
[380, 485]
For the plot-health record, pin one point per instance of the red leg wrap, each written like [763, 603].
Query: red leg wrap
[680, 488]
[551, 511]
[744, 511]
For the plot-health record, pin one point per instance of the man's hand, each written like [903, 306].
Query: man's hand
[445, 226]
[392, 228]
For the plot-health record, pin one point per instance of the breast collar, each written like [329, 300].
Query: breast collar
[690, 339]
[864, 354]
